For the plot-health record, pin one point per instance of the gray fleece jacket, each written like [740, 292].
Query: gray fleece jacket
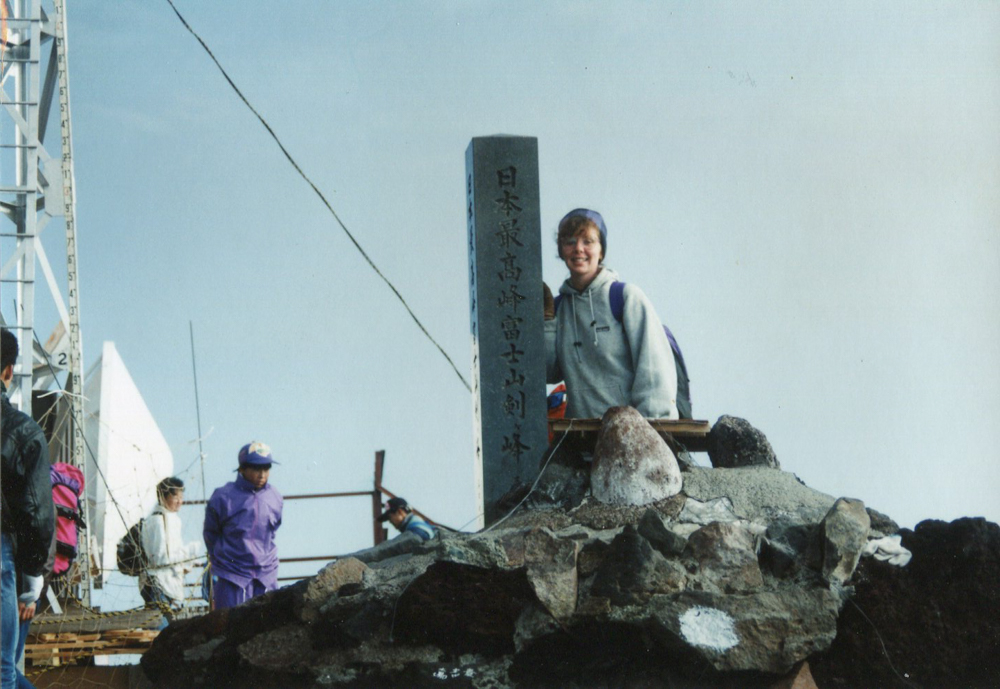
[607, 364]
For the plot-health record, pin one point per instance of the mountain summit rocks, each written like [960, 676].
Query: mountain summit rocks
[739, 580]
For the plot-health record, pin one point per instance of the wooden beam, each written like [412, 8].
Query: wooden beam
[379, 530]
[691, 434]
[311, 558]
[81, 622]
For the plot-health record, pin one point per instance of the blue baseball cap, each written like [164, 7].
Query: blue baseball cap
[255, 454]
[594, 217]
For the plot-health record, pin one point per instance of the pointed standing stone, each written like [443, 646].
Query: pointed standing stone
[632, 463]
[845, 534]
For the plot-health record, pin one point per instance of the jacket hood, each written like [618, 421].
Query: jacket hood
[607, 275]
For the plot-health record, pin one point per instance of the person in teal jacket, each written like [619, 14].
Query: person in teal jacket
[398, 513]
[413, 533]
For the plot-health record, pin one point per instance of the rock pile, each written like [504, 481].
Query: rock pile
[738, 580]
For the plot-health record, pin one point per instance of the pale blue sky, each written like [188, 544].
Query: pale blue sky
[808, 193]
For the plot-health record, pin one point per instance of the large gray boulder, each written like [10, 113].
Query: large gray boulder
[632, 463]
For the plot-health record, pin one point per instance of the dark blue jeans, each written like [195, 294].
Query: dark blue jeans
[10, 625]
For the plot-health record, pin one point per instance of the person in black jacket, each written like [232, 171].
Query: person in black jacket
[27, 522]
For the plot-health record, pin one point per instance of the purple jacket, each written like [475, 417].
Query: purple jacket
[239, 532]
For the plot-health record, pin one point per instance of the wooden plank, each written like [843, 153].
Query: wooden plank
[113, 633]
[66, 644]
[43, 638]
[80, 622]
[676, 426]
[54, 648]
[92, 677]
[691, 434]
[41, 655]
[122, 651]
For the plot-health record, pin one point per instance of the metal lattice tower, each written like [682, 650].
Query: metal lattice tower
[36, 192]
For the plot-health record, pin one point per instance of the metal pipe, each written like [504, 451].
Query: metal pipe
[314, 558]
[355, 494]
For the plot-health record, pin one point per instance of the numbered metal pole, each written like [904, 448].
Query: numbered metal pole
[72, 276]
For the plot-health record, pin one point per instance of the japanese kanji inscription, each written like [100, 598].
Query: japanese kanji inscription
[505, 276]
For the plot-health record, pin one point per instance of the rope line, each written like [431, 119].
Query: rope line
[892, 667]
[533, 485]
[322, 198]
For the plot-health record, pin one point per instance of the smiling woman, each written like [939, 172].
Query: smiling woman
[605, 360]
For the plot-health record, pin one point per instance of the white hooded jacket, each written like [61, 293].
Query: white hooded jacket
[167, 556]
[607, 364]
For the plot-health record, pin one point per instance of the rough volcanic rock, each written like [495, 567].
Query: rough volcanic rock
[551, 569]
[565, 480]
[733, 442]
[187, 651]
[654, 529]
[845, 532]
[717, 510]
[767, 631]
[759, 494]
[726, 553]
[788, 547]
[881, 525]
[799, 678]
[327, 583]
[934, 623]
[599, 595]
[632, 463]
[633, 571]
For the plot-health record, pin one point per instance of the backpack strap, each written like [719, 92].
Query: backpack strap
[555, 303]
[616, 295]
[617, 298]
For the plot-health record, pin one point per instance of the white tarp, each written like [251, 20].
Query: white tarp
[132, 454]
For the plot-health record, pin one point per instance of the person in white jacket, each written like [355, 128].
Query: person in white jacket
[168, 558]
[604, 362]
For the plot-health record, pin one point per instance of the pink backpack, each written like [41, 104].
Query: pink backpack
[67, 487]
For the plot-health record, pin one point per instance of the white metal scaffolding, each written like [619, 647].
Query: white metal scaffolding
[37, 192]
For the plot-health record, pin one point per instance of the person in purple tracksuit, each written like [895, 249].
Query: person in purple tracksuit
[240, 522]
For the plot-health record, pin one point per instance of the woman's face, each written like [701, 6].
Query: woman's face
[582, 255]
[174, 500]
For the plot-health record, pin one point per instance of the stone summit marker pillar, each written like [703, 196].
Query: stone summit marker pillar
[505, 292]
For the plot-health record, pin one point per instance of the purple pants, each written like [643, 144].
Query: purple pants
[226, 594]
